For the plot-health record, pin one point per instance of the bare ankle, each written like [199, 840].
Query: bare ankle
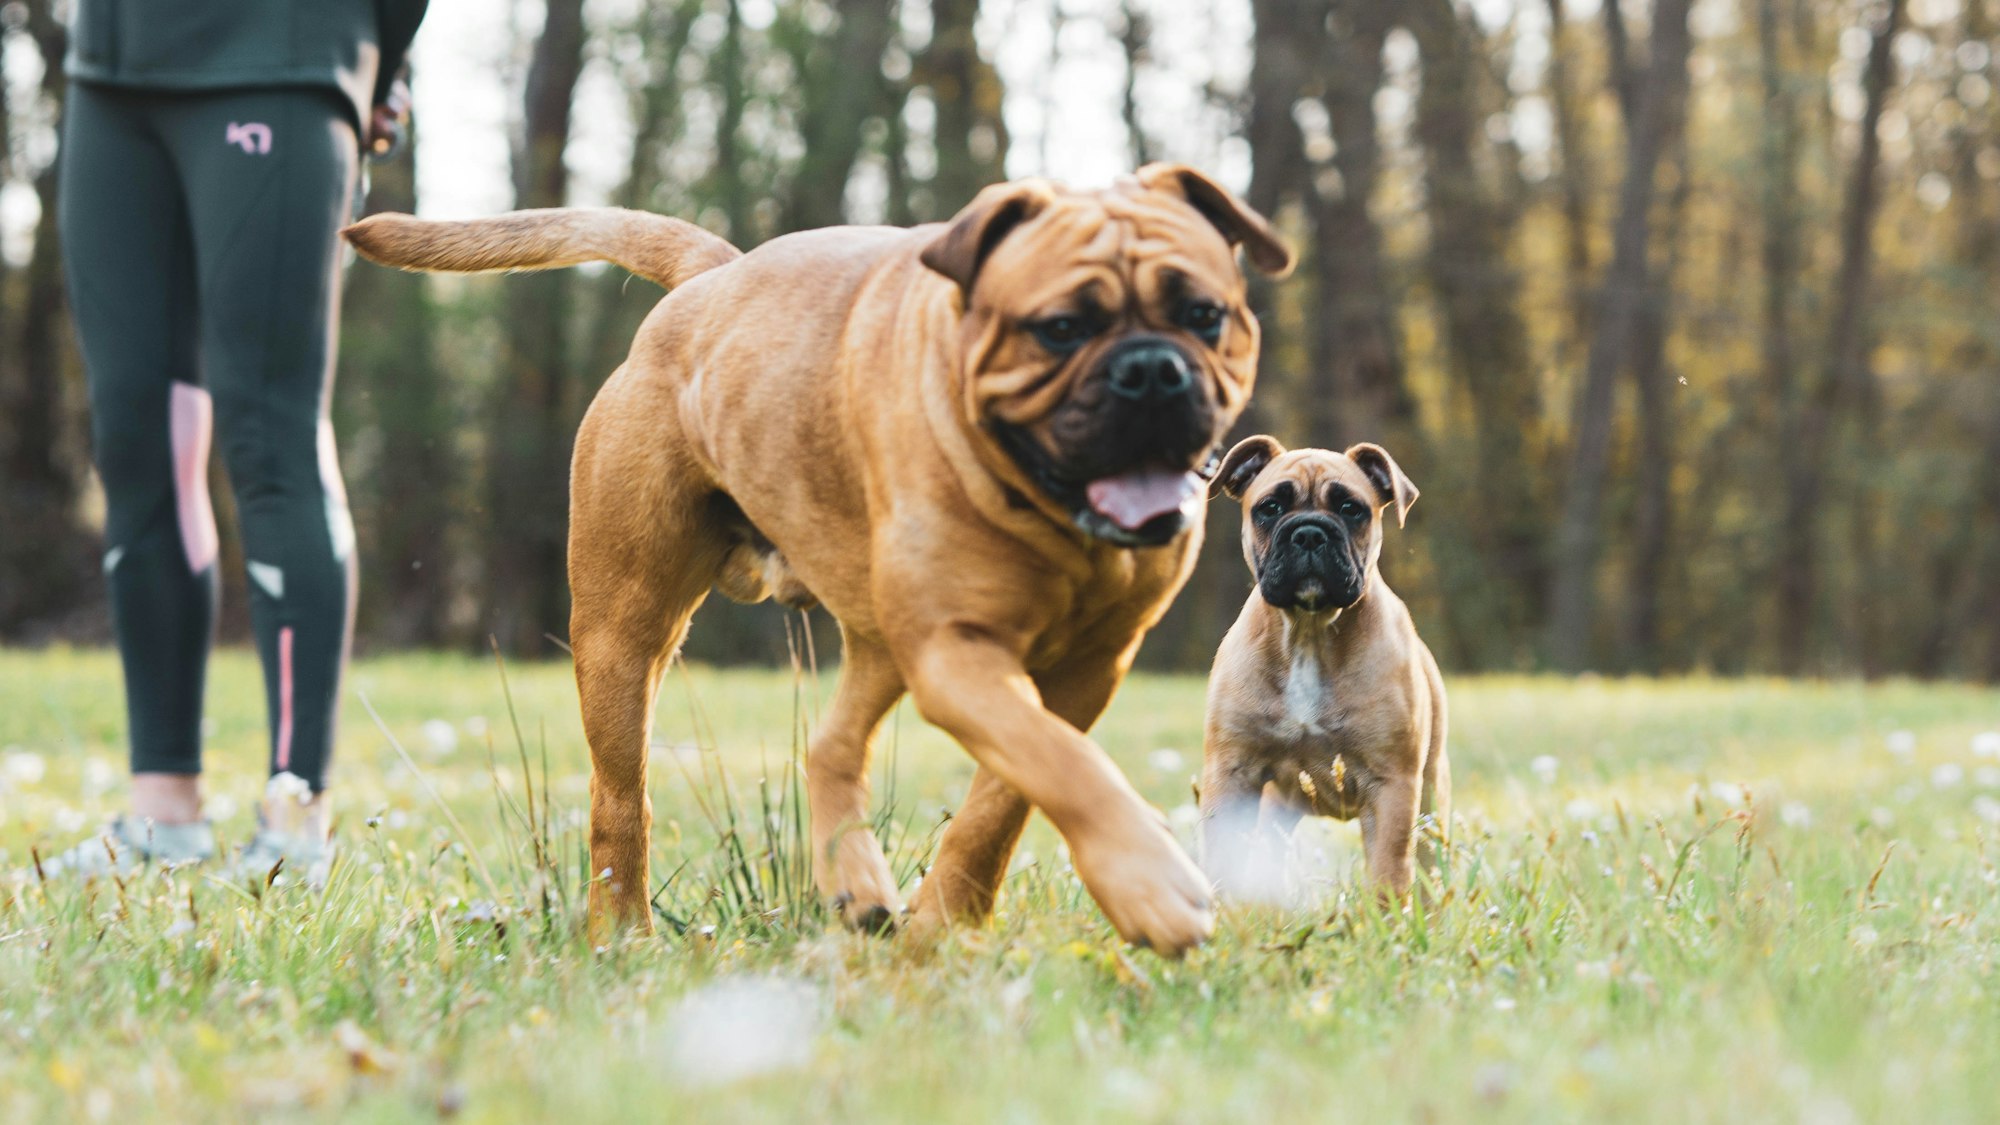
[167, 798]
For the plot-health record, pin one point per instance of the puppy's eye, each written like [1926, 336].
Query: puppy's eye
[1352, 510]
[1063, 334]
[1203, 319]
[1271, 509]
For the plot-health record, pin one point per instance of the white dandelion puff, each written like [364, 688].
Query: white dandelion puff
[741, 1027]
[1901, 743]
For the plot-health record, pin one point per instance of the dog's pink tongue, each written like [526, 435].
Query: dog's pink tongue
[1131, 499]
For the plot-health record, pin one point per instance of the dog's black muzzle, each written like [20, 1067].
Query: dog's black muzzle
[1310, 565]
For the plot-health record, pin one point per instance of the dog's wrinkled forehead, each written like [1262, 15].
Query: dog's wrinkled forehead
[1120, 244]
[1321, 474]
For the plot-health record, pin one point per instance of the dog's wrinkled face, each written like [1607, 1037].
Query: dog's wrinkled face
[1108, 345]
[1312, 518]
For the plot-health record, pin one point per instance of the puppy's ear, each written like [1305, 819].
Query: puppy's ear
[1391, 485]
[1261, 243]
[975, 231]
[1243, 464]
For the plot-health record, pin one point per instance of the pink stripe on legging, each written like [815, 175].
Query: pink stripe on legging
[284, 699]
[191, 421]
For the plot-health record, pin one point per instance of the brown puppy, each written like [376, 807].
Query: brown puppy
[1323, 700]
[976, 443]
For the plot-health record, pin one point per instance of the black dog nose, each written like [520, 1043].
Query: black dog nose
[1149, 371]
[1309, 537]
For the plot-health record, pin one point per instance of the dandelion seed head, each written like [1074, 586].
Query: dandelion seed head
[288, 786]
[440, 736]
[1165, 760]
[1947, 776]
[22, 767]
[1544, 767]
[1901, 743]
[740, 1027]
[1986, 744]
[1582, 808]
[1986, 808]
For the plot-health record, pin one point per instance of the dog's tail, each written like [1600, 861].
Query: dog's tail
[660, 249]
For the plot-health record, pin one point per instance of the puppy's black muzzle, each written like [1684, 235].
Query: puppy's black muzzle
[1310, 565]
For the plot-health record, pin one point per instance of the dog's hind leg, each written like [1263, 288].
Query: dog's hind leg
[642, 554]
[848, 863]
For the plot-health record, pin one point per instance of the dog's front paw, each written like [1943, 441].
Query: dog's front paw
[854, 876]
[1148, 887]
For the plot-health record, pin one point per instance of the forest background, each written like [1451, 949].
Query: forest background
[1685, 316]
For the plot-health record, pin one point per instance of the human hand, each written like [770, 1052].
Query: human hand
[387, 123]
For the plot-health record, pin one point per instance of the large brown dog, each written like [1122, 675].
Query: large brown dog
[975, 443]
[1323, 699]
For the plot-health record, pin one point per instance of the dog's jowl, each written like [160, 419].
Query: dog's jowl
[976, 443]
[1323, 699]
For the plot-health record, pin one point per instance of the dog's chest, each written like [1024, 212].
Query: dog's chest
[1307, 704]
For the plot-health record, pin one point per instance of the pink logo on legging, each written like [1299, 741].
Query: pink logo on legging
[190, 422]
[253, 137]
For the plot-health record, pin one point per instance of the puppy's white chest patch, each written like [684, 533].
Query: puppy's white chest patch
[1308, 697]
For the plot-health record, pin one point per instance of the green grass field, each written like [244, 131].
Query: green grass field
[1691, 900]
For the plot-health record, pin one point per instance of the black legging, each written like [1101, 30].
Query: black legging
[200, 236]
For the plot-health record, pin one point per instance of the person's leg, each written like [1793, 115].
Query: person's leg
[129, 256]
[270, 179]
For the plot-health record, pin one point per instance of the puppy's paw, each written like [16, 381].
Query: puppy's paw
[854, 876]
[1148, 887]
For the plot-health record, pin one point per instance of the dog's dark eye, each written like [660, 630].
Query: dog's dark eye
[1062, 334]
[1271, 509]
[1203, 318]
[1352, 510]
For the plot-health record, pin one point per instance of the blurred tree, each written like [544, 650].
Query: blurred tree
[971, 133]
[46, 553]
[535, 407]
[840, 88]
[1472, 228]
[397, 414]
[1652, 99]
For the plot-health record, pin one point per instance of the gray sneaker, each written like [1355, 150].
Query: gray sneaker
[128, 844]
[287, 833]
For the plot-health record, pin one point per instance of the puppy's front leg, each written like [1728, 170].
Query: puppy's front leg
[976, 689]
[1388, 835]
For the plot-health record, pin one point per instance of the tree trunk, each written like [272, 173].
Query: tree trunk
[728, 167]
[46, 552]
[1574, 176]
[1653, 509]
[1134, 40]
[391, 383]
[1656, 97]
[841, 90]
[1779, 201]
[1476, 290]
[1846, 380]
[1356, 388]
[971, 136]
[528, 467]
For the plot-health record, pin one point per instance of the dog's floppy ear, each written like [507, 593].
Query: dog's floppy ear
[975, 231]
[1261, 243]
[1391, 485]
[1243, 464]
